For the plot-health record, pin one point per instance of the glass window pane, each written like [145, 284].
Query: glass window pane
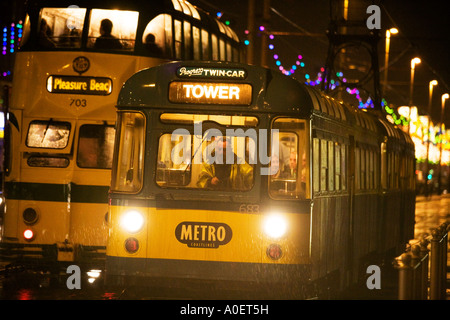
[205, 45]
[196, 42]
[127, 171]
[95, 146]
[187, 40]
[61, 27]
[44, 161]
[112, 29]
[291, 178]
[154, 36]
[188, 161]
[178, 39]
[48, 134]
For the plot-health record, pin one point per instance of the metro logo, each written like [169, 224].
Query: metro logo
[203, 234]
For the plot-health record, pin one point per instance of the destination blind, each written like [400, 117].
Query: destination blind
[79, 85]
[210, 93]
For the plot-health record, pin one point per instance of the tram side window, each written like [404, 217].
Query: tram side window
[290, 181]
[112, 29]
[61, 27]
[156, 38]
[48, 134]
[127, 173]
[95, 146]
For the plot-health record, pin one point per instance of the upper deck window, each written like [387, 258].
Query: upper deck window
[61, 27]
[112, 29]
[186, 8]
[157, 36]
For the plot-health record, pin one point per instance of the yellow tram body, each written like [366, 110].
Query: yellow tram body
[199, 230]
[60, 133]
[177, 218]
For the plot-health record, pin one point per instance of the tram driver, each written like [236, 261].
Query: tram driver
[223, 176]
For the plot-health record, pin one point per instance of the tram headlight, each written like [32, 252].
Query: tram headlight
[275, 225]
[132, 221]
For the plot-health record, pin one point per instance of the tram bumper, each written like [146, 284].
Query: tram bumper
[201, 275]
[48, 254]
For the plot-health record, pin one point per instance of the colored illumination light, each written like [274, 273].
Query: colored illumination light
[246, 42]
[271, 46]
[261, 28]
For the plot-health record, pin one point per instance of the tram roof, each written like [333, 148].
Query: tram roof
[272, 92]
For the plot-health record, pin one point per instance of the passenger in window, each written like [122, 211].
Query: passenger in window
[152, 47]
[291, 171]
[44, 35]
[225, 176]
[106, 39]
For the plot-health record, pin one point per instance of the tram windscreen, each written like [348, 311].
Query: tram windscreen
[208, 159]
[48, 134]
[95, 146]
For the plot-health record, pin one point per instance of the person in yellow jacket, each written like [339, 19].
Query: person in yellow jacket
[230, 177]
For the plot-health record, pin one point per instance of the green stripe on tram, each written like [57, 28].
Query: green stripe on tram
[56, 192]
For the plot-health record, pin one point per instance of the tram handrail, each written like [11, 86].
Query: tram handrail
[418, 264]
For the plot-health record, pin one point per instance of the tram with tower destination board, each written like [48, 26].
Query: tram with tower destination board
[236, 176]
[72, 63]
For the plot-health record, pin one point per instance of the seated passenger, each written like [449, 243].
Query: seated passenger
[44, 35]
[291, 171]
[225, 176]
[106, 39]
[152, 47]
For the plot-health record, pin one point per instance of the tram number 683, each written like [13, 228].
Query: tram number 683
[78, 102]
[249, 208]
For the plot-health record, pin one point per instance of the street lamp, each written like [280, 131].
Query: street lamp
[414, 61]
[443, 98]
[386, 57]
[431, 85]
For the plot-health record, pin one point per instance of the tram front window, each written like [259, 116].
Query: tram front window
[95, 146]
[289, 175]
[112, 29]
[61, 27]
[48, 134]
[207, 159]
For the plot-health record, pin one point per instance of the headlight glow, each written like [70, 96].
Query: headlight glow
[275, 225]
[132, 221]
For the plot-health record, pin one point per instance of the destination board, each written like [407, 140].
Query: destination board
[79, 85]
[210, 93]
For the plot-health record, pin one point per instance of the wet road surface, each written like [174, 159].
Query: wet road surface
[25, 285]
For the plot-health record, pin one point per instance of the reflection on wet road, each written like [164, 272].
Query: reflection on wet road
[26, 285]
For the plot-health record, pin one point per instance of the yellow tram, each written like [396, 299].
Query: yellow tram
[237, 176]
[72, 62]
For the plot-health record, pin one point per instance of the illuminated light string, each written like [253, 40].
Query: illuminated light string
[11, 36]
